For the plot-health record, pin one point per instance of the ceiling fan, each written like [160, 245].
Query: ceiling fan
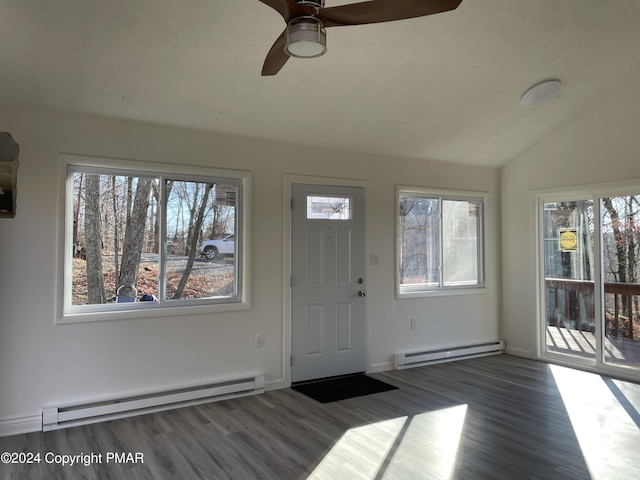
[305, 36]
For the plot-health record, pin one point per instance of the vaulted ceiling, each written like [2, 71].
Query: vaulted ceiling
[444, 87]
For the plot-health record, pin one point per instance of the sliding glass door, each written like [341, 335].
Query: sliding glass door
[590, 279]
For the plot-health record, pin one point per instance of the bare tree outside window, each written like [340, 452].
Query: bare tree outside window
[439, 242]
[134, 233]
[93, 237]
[621, 266]
[117, 238]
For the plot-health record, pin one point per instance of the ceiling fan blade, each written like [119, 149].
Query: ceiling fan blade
[376, 11]
[283, 7]
[276, 58]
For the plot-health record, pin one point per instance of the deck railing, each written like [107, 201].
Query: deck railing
[572, 297]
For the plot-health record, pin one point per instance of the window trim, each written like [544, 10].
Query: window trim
[66, 313]
[421, 290]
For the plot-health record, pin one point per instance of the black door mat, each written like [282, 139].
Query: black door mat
[341, 388]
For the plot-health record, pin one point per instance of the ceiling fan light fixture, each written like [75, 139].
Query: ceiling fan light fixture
[313, 3]
[306, 37]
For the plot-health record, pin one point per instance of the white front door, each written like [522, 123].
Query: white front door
[327, 285]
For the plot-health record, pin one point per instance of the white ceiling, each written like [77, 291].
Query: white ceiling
[444, 87]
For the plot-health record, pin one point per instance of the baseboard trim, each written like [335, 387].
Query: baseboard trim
[275, 385]
[519, 352]
[380, 367]
[26, 423]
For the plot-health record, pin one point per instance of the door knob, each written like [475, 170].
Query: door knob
[361, 293]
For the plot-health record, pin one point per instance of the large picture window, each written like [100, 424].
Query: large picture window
[144, 239]
[439, 242]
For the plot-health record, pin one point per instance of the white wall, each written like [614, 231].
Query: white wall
[45, 363]
[602, 145]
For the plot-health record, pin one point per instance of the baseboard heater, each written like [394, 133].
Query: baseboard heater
[417, 359]
[64, 416]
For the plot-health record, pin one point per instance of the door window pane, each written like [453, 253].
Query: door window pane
[568, 268]
[321, 207]
[621, 274]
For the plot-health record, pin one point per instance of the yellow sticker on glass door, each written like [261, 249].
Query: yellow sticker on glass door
[568, 239]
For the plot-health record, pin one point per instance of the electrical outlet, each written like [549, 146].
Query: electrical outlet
[413, 323]
[259, 339]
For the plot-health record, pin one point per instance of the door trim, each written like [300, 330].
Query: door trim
[289, 180]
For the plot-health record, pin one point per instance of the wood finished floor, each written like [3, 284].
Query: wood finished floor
[499, 417]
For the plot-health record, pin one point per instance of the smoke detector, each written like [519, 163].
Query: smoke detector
[541, 93]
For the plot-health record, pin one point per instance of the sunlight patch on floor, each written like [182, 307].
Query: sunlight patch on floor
[429, 446]
[422, 446]
[361, 451]
[604, 421]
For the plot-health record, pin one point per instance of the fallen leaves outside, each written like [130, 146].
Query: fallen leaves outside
[207, 279]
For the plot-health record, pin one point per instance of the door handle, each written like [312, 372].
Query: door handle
[362, 293]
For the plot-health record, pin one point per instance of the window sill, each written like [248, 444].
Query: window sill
[150, 312]
[448, 292]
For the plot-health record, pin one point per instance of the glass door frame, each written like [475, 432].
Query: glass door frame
[593, 193]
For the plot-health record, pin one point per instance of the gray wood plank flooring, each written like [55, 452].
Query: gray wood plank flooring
[499, 417]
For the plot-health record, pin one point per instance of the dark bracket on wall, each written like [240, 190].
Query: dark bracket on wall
[9, 152]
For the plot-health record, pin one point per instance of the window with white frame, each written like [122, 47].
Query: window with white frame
[141, 239]
[439, 241]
